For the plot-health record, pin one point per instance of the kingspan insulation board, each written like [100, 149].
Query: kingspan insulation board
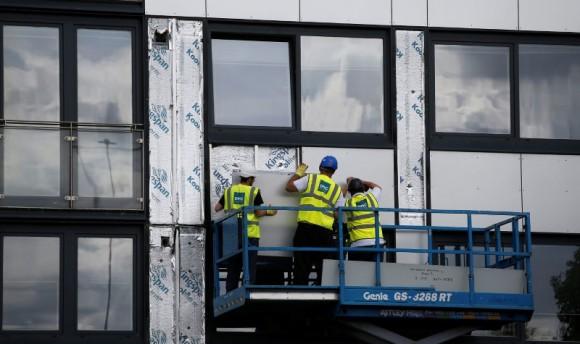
[161, 205]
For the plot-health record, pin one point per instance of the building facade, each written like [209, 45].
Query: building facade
[122, 122]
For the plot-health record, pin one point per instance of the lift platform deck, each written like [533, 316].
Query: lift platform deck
[494, 286]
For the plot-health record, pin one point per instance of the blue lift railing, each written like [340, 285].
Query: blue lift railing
[227, 246]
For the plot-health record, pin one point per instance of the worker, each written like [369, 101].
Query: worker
[314, 227]
[361, 224]
[234, 198]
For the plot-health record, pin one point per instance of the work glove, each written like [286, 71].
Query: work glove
[301, 170]
[271, 212]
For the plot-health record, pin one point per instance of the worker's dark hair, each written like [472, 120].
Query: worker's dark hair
[245, 179]
[355, 186]
[327, 170]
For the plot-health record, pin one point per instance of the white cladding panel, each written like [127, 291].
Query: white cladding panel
[376, 165]
[181, 8]
[409, 12]
[551, 192]
[285, 10]
[553, 15]
[346, 11]
[485, 14]
[477, 181]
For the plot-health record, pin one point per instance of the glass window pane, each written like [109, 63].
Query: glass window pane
[105, 284]
[105, 164]
[342, 84]
[32, 162]
[472, 89]
[251, 83]
[556, 283]
[549, 91]
[105, 84]
[31, 283]
[31, 73]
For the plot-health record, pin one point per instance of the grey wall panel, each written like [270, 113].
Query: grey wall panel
[553, 15]
[182, 8]
[485, 14]
[409, 12]
[287, 10]
[551, 192]
[376, 165]
[478, 181]
[346, 11]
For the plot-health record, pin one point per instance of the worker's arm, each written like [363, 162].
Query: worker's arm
[371, 185]
[219, 205]
[300, 172]
[260, 212]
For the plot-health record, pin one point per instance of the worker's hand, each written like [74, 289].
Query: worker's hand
[301, 170]
[271, 212]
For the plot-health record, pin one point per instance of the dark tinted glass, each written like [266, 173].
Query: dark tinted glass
[549, 91]
[105, 284]
[30, 283]
[251, 83]
[31, 73]
[342, 84]
[105, 83]
[472, 89]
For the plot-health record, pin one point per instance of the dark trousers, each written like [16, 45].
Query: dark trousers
[235, 266]
[309, 235]
[365, 256]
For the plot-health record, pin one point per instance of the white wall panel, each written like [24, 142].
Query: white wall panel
[285, 10]
[346, 11]
[376, 165]
[474, 181]
[182, 8]
[485, 14]
[552, 15]
[551, 192]
[410, 12]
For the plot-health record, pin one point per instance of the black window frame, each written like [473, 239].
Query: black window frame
[294, 136]
[68, 305]
[478, 142]
[68, 124]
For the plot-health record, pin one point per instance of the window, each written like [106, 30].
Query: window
[298, 86]
[504, 92]
[67, 283]
[71, 133]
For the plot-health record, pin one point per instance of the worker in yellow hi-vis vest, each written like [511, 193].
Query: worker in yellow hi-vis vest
[234, 198]
[314, 227]
[361, 223]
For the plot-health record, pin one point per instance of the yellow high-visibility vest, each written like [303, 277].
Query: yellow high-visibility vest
[238, 196]
[361, 224]
[321, 192]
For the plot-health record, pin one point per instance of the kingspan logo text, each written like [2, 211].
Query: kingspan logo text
[368, 296]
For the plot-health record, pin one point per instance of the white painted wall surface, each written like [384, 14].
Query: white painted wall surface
[551, 192]
[376, 165]
[474, 181]
[181, 8]
[372, 12]
[409, 12]
[485, 14]
[284, 10]
[552, 15]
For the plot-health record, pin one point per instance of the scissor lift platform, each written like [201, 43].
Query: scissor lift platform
[496, 293]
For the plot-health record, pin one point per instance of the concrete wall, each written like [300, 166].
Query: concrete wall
[532, 15]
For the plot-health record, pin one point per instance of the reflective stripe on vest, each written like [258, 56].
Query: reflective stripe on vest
[361, 224]
[321, 192]
[238, 196]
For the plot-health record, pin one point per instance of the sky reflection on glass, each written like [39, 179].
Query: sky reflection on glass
[472, 89]
[251, 83]
[549, 91]
[342, 84]
[31, 73]
[30, 283]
